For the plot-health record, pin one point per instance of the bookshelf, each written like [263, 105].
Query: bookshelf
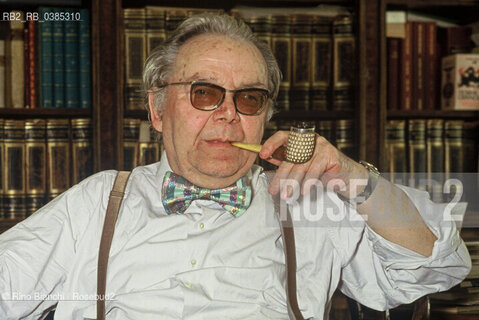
[58, 113]
[459, 12]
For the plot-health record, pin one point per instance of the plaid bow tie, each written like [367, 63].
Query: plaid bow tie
[177, 194]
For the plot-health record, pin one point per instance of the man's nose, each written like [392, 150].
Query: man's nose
[227, 110]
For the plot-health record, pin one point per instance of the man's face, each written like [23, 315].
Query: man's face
[197, 142]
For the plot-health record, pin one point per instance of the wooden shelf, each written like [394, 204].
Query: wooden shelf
[228, 4]
[428, 114]
[44, 113]
[436, 3]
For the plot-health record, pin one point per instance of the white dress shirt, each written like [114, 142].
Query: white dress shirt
[206, 264]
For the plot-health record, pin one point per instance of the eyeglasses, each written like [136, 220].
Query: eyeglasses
[207, 96]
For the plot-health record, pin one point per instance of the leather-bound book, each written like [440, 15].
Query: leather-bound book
[321, 76]
[58, 156]
[14, 169]
[135, 50]
[82, 149]
[301, 62]
[36, 164]
[344, 63]
[131, 130]
[417, 150]
[396, 150]
[281, 46]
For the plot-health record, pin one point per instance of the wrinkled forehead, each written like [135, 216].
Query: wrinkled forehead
[221, 58]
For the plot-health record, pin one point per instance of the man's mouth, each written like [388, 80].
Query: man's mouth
[219, 143]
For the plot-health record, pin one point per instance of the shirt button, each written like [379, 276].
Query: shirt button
[202, 225]
[189, 285]
[193, 262]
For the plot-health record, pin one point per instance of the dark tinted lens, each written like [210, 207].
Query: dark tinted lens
[205, 96]
[250, 101]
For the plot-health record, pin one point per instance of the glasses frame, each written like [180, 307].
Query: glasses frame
[224, 90]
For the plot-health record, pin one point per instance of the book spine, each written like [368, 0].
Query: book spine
[26, 70]
[58, 156]
[417, 149]
[131, 129]
[84, 59]
[71, 55]
[321, 63]
[281, 45]
[32, 65]
[155, 28]
[173, 18]
[45, 41]
[344, 135]
[14, 169]
[454, 157]
[344, 68]
[58, 63]
[16, 67]
[2, 73]
[435, 157]
[325, 129]
[82, 152]
[396, 150]
[261, 25]
[36, 160]
[406, 70]
[419, 44]
[135, 49]
[301, 62]
[431, 79]
[149, 149]
[393, 47]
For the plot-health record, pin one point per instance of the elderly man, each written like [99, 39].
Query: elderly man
[211, 84]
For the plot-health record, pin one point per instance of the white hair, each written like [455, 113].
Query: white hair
[160, 64]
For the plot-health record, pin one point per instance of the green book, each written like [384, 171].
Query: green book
[85, 59]
[58, 63]
[72, 91]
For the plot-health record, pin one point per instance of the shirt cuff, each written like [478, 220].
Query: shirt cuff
[441, 218]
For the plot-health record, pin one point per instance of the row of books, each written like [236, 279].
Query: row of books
[40, 159]
[46, 59]
[340, 133]
[433, 150]
[314, 47]
[463, 298]
[141, 145]
[415, 50]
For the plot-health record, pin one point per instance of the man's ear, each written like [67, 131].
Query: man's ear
[156, 119]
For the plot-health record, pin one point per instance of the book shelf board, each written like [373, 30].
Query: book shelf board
[44, 112]
[429, 114]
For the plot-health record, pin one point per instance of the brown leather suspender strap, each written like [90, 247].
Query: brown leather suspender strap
[289, 248]
[116, 197]
[287, 232]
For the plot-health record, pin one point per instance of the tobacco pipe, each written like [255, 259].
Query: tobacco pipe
[299, 149]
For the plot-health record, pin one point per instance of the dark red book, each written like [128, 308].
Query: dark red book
[418, 54]
[393, 47]
[431, 78]
[31, 58]
[405, 91]
[26, 89]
